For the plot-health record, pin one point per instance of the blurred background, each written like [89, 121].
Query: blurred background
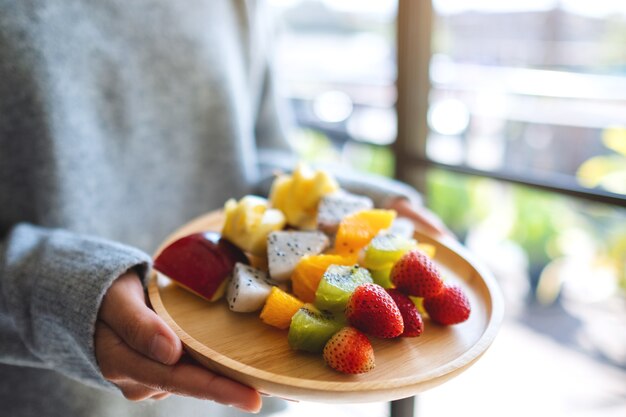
[510, 118]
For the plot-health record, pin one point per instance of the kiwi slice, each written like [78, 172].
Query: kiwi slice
[382, 277]
[337, 285]
[311, 328]
[385, 249]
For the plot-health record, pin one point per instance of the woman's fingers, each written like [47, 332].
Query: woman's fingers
[136, 392]
[121, 364]
[160, 396]
[125, 311]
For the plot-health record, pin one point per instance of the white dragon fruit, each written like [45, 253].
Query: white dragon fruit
[248, 289]
[334, 207]
[403, 227]
[285, 248]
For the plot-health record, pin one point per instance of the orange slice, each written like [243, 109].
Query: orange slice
[357, 229]
[309, 271]
[279, 308]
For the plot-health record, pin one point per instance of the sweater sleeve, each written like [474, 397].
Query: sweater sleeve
[380, 189]
[272, 120]
[51, 286]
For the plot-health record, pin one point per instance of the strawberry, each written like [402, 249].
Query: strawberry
[413, 324]
[415, 274]
[451, 306]
[371, 310]
[349, 351]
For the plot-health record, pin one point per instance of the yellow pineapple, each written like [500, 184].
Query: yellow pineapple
[249, 221]
[299, 194]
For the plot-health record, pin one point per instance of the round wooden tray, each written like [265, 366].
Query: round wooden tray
[243, 348]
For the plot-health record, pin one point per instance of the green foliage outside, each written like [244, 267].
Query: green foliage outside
[315, 147]
[539, 221]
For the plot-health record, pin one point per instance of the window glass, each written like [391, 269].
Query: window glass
[535, 89]
[337, 64]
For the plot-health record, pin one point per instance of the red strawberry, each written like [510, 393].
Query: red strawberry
[413, 324]
[415, 274]
[371, 310]
[349, 351]
[451, 306]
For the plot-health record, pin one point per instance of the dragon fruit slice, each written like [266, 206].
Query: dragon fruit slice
[334, 207]
[248, 289]
[402, 227]
[285, 248]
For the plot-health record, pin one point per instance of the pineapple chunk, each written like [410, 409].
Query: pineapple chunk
[249, 221]
[299, 194]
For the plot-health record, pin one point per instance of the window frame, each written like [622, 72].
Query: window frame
[414, 51]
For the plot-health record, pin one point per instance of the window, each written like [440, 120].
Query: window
[511, 118]
[338, 66]
[524, 158]
[531, 91]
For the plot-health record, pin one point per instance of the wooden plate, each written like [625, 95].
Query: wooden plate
[241, 347]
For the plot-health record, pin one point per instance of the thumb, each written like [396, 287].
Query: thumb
[124, 309]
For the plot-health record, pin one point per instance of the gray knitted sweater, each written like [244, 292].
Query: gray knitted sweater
[119, 121]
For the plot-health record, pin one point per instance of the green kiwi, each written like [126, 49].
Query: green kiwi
[311, 328]
[337, 285]
[382, 277]
[385, 249]
[382, 252]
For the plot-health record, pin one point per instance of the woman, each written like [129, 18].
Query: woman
[119, 121]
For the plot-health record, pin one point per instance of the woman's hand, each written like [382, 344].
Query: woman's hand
[423, 218]
[140, 354]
